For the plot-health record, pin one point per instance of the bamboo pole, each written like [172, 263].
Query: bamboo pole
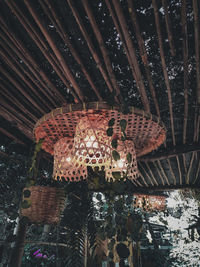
[146, 173]
[102, 47]
[14, 100]
[143, 179]
[197, 47]
[158, 28]
[176, 151]
[189, 169]
[42, 46]
[11, 136]
[160, 176]
[163, 172]
[179, 169]
[21, 90]
[26, 82]
[150, 171]
[132, 54]
[143, 53]
[168, 27]
[197, 173]
[63, 34]
[14, 120]
[90, 45]
[30, 73]
[171, 170]
[21, 52]
[18, 250]
[53, 46]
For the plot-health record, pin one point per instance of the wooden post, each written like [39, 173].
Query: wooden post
[18, 249]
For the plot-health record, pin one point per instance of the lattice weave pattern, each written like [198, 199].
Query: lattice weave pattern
[47, 203]
[150, 202]
[91, 144]
[64, 165]
[122, 166]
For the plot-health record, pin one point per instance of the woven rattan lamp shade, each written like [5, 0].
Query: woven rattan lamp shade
[122, 166]
[65, 167]
[91, 144]
[47, 203]
[150, 202]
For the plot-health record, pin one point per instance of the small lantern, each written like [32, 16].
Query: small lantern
[150, 202]
[64, 165]
[91, 143]
[122, 166]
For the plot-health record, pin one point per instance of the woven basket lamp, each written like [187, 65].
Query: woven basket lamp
[47, 203]
[65, 167]
[130, 170]
[86, 125]
[92, 146]
[150, 202]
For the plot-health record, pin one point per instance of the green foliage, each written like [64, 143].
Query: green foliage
[114, 143]
[123, 124]
[26, 204]
[111, 122]
[109, 131]
[27, 193]
[115, 155]
[129, 157]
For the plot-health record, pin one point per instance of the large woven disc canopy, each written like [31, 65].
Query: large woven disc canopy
[144, 129]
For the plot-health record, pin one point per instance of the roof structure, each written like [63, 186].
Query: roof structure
[144, 54]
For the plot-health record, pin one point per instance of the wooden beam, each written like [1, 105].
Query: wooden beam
[178, 150]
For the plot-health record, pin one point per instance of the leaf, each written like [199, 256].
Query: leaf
[26, 204]
[116, 175]
[129, 157]
[115, 155]
[111, 122]
[109, 131]
[123, 124]
[114, 143]
[38, 146]
[27, 193]
[30, 183]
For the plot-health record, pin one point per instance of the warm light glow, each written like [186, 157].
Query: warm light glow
[91, 143]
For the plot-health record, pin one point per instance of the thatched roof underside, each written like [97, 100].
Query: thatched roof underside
[139, 53]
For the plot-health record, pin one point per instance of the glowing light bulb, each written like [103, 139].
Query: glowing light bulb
[68, 159]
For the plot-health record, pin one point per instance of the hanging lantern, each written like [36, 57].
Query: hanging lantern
[150, 202]
[91, 143]
[122, 167]
[64, 165]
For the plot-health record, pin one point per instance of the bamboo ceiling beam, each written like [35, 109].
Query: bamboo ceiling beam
[14, 120]
[24, 79]
[159, 174]
[42, 46]
[115, 21]
[143, 179]
[171, 170]
[20, 89]
[14, 53]
[19, 115]
[185, 66]
[103, 48]
[90, 45]
[197, 173]
[146, 174]
[11, 136]
[168, 27]
[176, 151]
[143, 53]
[138, 77]
[63, 34]
[197, 47]
[5, 92]
[150, 171]
[162, 55]
[56, 51]
[163, 172]
[189, 169]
